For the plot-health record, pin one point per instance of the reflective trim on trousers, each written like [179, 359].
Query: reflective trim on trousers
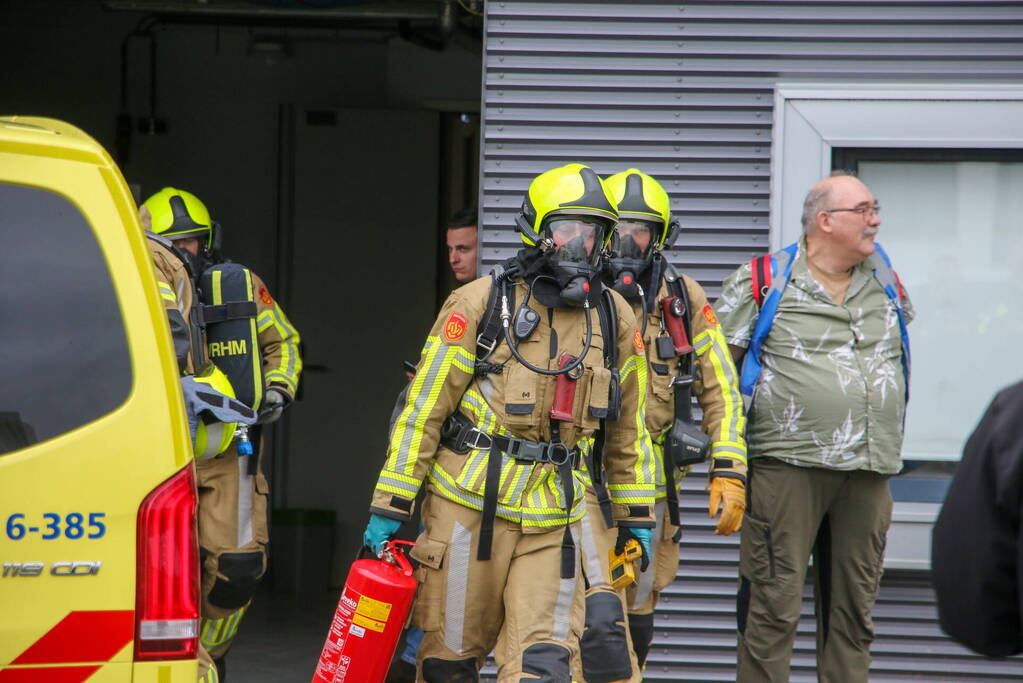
[215, 632]
[246, 486]
[645, 582]
[458, 581]
[591, 561]
[563, 607]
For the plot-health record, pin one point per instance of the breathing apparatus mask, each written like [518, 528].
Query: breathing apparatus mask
[571, 249]
[632, 249]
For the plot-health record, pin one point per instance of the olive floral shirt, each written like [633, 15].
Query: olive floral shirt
[831, 392]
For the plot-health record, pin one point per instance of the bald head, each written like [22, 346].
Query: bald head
[840, 220]
[830, 193]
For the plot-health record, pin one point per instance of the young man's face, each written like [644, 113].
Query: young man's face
[462, 252]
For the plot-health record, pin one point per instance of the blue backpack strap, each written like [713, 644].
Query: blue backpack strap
[781, 262]
[889, 281]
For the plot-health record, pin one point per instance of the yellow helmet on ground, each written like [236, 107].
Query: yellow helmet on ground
[571, 190]
[177, 214]
[215, 437]
[639, 197]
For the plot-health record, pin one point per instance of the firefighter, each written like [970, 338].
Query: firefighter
[176, 290]
[638, 269]
[509, 396]
[233, 491]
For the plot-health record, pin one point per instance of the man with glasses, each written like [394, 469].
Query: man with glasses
[820, 328]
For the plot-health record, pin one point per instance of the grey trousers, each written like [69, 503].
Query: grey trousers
[843, 519]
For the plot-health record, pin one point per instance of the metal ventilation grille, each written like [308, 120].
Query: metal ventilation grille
[684, 91]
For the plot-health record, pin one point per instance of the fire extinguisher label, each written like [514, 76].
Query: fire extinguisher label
[374, 609]
[357, 631]
[371, 624]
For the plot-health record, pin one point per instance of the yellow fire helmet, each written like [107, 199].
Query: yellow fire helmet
[213, 438]
[572, 190]
[641, 198]
[177, 214]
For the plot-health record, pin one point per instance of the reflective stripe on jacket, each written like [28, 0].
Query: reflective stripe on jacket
[517, 402]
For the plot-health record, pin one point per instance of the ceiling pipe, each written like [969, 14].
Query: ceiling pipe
[397, 10]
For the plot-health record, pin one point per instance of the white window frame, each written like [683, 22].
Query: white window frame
[810, 119]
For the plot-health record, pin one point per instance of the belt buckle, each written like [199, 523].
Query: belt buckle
[473, 441]
[524, 449]
[559, 446]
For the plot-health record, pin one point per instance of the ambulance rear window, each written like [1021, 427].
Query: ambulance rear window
[64, 356]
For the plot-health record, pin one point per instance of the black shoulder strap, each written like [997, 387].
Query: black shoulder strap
[608, 317]
[488, 335]
[683, 401]
[677, 288]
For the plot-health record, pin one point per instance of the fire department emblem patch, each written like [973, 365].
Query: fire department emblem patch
[265, 296]
[637, 341]
[454, 328]
[708, 313]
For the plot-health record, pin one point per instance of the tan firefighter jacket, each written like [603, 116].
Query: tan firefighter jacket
[716, 387]
[278, 342]
[517, 402]
[176, 293]
[278, 338]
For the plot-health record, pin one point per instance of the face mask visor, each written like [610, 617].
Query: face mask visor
[577, 239]
[632, 247]
[574, 255]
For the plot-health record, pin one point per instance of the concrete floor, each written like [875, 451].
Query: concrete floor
[280, 639]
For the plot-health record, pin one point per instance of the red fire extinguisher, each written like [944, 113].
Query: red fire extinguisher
[369, 619]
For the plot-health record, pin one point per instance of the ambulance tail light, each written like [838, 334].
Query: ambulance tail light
[167, 584]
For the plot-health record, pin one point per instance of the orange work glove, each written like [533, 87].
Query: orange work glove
[731, 494]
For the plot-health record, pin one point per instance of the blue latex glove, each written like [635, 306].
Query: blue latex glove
[644, 536]
[378, 530]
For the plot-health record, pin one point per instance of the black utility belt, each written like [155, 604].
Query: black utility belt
[460, 435]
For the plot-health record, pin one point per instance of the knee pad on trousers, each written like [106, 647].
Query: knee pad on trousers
[450, 671]
[605, 649]
[641, 627]
[239, 574]
[548, 661]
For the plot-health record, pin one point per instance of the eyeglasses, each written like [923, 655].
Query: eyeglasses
[865, 211]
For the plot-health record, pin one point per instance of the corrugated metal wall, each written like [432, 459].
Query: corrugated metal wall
[684, 91]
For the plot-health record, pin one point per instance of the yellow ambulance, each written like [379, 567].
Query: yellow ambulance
[98, 551]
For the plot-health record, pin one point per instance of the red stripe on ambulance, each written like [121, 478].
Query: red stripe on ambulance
[48, 674]
[94, 636]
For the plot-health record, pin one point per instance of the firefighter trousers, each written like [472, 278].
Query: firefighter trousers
[843, 519]
[207, 671]
[606, 651]
[233, 541]
[643, 595]
[515, 603]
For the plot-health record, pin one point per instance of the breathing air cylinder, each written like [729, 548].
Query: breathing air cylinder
[232, 340]
[369, 619]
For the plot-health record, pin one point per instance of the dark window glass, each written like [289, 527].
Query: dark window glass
[65, 355]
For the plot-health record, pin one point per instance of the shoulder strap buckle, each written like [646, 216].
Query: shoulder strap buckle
[486, 345]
